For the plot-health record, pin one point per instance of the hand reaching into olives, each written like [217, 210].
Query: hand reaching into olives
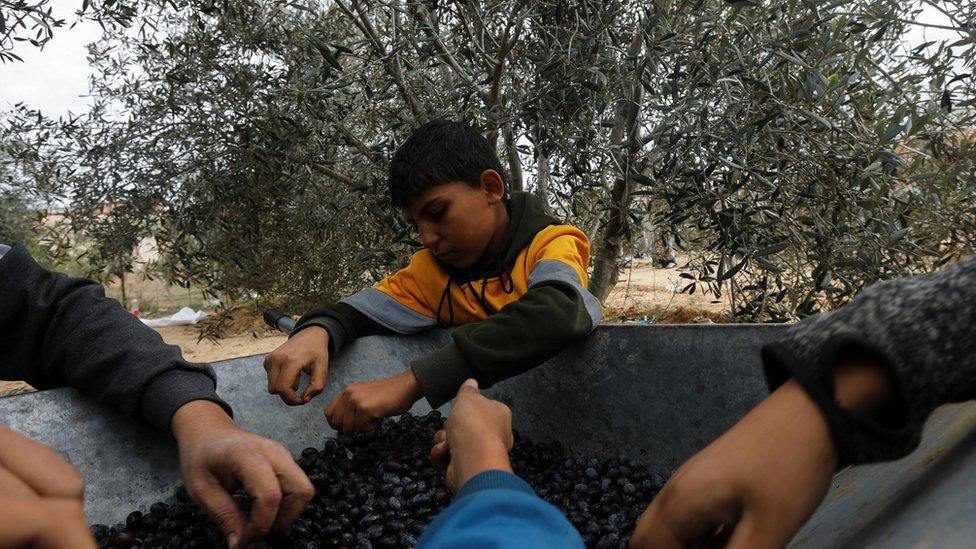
[476, 437]
[217, 457]
[361, 405]
[307, 351]
[758, 483]
[40, 496]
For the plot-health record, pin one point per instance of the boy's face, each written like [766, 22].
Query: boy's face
[456, 221]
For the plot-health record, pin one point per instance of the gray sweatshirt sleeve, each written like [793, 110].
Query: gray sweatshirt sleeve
[921, 329]
[57, 331]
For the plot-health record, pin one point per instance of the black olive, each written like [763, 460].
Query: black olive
[100, 531]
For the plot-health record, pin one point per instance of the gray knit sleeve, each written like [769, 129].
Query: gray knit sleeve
[922, 330]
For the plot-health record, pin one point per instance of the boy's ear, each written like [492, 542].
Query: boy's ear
[493, 185]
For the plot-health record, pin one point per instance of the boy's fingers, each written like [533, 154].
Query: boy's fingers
[288, 381]
[745, 533]
[440, 456]
[469, 387]
[349, 420]
[272, 366]
[47, 523]
[440, 436]
[67, 527]
[274, 370]
[333, 413]
[289, 397]
[365, 421]
[316, 382]
[271, 379]
[261, 483]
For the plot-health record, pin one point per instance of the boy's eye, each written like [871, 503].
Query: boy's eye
[437, 214]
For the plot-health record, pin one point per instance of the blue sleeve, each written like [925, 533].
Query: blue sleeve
[494, 510]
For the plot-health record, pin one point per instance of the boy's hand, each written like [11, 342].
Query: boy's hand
[362, 404]
[476, 437]
[758, 483]
[306, 351]
[216, 457]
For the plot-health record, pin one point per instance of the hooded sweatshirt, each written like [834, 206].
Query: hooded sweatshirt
[510, 315]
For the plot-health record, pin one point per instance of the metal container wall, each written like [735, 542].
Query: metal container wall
[658, 393]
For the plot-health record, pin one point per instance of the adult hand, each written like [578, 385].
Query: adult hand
[44, 523]
[307, 351]
[758, 483]
[217, 457]
[40, 496]
[477, 437]
[29, 468]
[360, 405]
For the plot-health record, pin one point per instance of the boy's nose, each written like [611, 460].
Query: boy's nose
[428, 238]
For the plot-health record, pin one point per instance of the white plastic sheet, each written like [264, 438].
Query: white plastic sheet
[183, 317]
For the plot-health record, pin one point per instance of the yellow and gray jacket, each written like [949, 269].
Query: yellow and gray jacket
[509, 317]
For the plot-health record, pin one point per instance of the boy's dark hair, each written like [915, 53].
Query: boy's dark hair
[436, 153]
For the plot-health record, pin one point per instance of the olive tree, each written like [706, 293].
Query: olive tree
[795, 151]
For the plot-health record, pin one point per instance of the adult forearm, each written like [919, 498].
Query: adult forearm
[56, 331]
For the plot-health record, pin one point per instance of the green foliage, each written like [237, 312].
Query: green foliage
[16, 218]
[33, 21]
[807, 157]
[797, 151]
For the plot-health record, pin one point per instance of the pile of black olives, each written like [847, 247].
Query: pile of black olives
[378, 489]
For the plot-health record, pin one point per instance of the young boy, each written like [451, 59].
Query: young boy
[510, 277]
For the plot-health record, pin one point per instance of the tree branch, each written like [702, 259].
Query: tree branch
[442, 50]
[514, 162]
[329, 172]
[934, 26]
[508, 42]
[391, 60]
[351, 139]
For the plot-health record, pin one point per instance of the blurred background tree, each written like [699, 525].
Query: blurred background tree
[16, 219]
[792, 152]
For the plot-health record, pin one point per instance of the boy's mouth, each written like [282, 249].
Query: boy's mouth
[452, 257]
[445, 256]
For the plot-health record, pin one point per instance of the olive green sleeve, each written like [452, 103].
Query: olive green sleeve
[522, 335]
[344, 324]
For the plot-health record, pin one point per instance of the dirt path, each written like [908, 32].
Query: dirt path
[642, 285]
[228, 347]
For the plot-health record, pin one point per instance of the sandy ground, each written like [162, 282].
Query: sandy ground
[642, 289]
[642, 286]
[228, 347]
